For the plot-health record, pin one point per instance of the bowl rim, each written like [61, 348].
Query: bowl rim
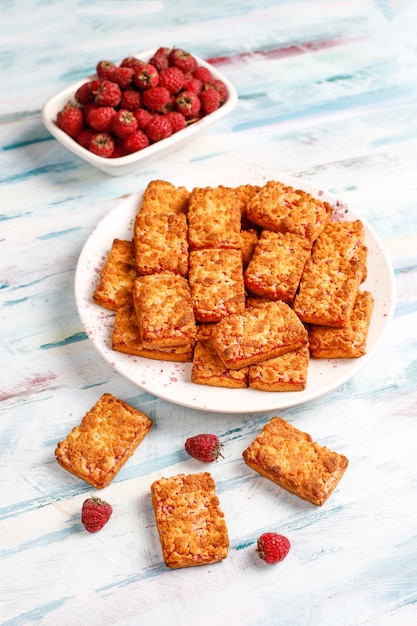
[57, 101]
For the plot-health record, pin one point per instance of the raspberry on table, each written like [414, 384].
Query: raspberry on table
[95, 513]
[272, 547]
[205, 447]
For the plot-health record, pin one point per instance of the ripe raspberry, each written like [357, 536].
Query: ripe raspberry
[156, 98]
[158, 128]
[87, 92]
[273, 547]
[177, 120]
[182, 59]
[143, 117]
[133, 62]
[172, 79]
[210, 100]
[222, 89]
[205, 447]
[105, 70]
[136, 141]
[203, 74]
[109, 94]
[118, 149]
[131, 100]
[99, 118]
[188, 104]
[84, 138]
[146, 77]
[102, 144]
[124, 123]
[193, 84]
[70, 119]
[160, 59]
[123, 76]
[95, 513]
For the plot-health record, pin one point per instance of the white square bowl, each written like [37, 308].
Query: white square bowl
[127, 164]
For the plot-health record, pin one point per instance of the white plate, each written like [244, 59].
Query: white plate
[127, 164]
[171, 381]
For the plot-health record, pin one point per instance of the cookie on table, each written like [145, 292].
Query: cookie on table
[164, 310]
[291, 459]
[281, 208]
[216, 281]
[115, 285]
[108, 435]
[126, 339]
[214, 218]
[332, 275]
[161, 196]
[191, 525]
[287, 372]
[277, 264]
[258, 334]
[209, 369]
[161, 243]
[348, 342]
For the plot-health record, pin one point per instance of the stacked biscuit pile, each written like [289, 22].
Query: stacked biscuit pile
[246, 282]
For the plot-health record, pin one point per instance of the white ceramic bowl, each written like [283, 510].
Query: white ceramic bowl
[127, 164]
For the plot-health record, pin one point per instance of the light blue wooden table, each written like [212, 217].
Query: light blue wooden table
[327, 94]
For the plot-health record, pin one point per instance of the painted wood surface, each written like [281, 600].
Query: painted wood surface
[327, 93]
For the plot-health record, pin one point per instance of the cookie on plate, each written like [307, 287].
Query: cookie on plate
[214, 218]
[116, 278]
[287, 372]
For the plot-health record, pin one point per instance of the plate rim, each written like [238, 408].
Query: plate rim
[297, 398]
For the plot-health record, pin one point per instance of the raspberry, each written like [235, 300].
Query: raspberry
[158, 128]
[188, 104]
[123, 76]
[99, 118]
[193, 84]
[160, 59]
[124, 123]
[109, 94]
[87, 92]
[143, 117]
[105, 70]
[133, 62]
[147, 77]
[210, 100]
[95, 513]
[205, 447]
[118, 150]
[177, 120]
[182, 59]
[136, 141]
[273, 547]
[131, 100]
[222, 89]
[172, 79]
[203, 74]
[84, 138]
[156, 98]
[70, 119]
[102, 144]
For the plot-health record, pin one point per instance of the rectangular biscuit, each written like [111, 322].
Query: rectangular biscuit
[191, 526]
[332, 275]
[287, 372]
[277, 265]
[292, 460]
[214, 218]
[209, 369]
[115, 285]
[281, 208]
[248, 240]
[216, 283]
[260, 333]
[348, 342]
[108, 435]
[164, 310]
[161, 196]
[161, 243]
[126, 339]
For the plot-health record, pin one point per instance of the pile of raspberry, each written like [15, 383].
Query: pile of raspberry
[129, 106]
